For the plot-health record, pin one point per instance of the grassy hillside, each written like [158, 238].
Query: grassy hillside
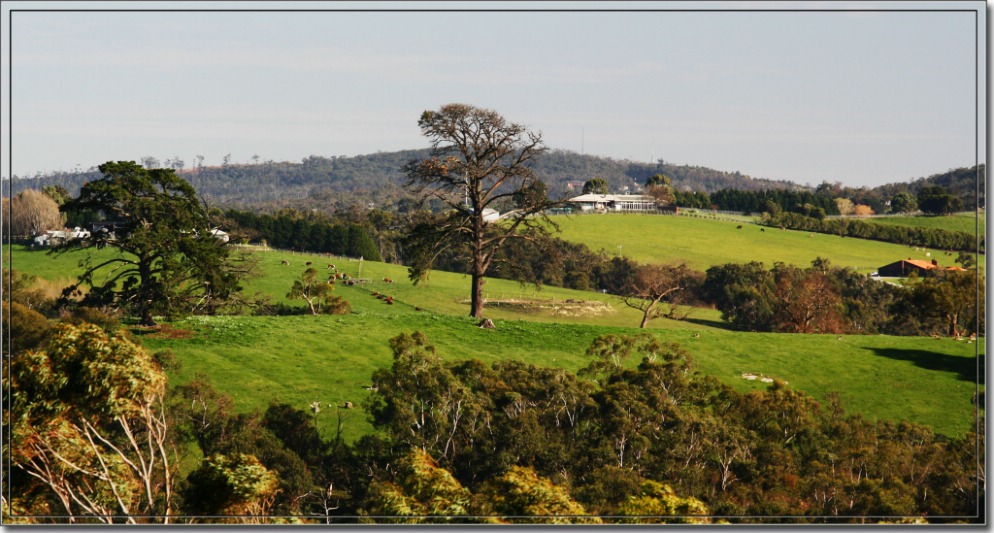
[703, 243]
[301, 359]
[966, 222]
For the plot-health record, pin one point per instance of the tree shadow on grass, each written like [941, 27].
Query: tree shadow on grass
[720, 324]
[965, 367]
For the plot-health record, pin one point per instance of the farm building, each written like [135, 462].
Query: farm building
[904, 267]
[614, 202]
[56, 237]
[220, 235]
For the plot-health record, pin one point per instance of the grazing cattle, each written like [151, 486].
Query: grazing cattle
[284, 262]
[696, 335]
[417, 308]
[307, 263]
[348, 405]
[388, 280]
[763, 230]
[739, 227]
[331, 266]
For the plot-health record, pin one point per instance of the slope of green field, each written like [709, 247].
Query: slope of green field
[703, 243]
[301, 359]
[965, 222]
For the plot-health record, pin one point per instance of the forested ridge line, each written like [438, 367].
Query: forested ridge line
[336, 182]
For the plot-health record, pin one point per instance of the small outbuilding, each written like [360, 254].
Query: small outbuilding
[904, 267]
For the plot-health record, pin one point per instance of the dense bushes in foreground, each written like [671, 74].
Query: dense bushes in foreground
[463, 441]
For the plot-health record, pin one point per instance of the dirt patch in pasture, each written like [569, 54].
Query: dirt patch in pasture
[564, 308]
[162, 331]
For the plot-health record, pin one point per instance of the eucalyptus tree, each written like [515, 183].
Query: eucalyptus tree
[478, 162]
[87, 425]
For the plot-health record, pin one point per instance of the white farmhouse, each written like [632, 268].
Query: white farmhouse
[614, 202]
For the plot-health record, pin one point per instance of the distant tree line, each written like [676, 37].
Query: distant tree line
[774, 200]
[293, 230]
[934, 238]
[827, 299]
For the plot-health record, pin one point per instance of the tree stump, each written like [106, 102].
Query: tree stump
[486, 323]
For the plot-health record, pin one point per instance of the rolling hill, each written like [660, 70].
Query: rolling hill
[301, 359]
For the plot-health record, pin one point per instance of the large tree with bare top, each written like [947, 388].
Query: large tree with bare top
[478, 161]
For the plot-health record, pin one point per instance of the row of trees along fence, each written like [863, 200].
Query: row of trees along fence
[935, 238]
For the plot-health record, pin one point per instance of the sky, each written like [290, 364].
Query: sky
[860, 93]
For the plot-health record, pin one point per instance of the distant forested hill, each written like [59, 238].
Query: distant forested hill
[331, 183]
[337, 182]
[962, 182]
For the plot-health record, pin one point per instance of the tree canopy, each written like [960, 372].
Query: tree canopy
[169, 260]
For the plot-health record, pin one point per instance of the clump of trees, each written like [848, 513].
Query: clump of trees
[623, 437]
[828, 299]
[596, 186]
[935, 200]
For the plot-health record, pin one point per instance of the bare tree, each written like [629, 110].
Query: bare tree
[478, 161]
[32, 212]
[651, 285]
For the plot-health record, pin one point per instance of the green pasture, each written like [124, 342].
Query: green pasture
[302, 359]
[330, 359]
[965, 222]
[703, 243]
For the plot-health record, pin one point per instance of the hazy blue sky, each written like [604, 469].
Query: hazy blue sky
[864, 97]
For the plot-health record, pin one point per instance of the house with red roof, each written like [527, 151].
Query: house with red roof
[904, 267]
